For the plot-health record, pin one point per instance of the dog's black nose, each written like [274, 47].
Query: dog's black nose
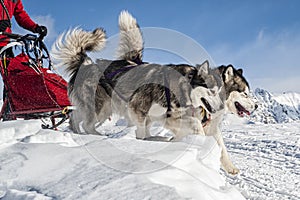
[256, 106]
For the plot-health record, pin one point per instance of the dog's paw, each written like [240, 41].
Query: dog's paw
[196, 127]
[92, 132]
[198, 130]
[159, 138]
[231, 169]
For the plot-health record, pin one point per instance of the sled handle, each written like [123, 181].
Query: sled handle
[18, 36]
[30, 37]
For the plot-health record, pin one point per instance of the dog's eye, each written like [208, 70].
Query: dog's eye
[190, 75]
[245, 94]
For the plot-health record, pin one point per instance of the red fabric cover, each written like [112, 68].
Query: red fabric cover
[29, 90]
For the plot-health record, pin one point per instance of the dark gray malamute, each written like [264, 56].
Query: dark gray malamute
[142, 92]
[231, 96]
[181, 97]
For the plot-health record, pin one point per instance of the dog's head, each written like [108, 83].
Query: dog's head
[206, 85]
[205, 77]
[238, 99]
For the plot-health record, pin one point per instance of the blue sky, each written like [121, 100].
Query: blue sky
[262, 37]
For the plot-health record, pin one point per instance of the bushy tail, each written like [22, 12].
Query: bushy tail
[71, 47]
[131, 43]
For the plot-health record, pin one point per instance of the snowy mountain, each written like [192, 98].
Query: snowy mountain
[272, 108]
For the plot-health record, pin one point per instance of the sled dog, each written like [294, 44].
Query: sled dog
[144, 93]
[231, 96]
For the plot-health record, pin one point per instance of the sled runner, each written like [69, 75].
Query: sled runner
[31, 90]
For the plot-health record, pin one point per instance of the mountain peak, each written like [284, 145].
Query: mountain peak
[280, 108]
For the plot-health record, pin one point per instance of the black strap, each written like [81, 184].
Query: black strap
[168, 93]
[123, 69]
[38, 42]
[106, 81]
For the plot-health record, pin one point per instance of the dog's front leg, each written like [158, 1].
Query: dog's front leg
[143, 132]
[181, 127]
[225, 160]
[139, 119]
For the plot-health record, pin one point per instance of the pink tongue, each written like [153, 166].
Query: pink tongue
[241, 113]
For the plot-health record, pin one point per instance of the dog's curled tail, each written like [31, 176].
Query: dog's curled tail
[70, 48]
[131, 44]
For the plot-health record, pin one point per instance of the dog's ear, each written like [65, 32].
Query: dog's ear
[203, 68]
[240, 71]
[228, 73]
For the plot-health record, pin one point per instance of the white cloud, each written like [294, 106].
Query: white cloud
[260, 35]
[47, 21]
[283, 84]
[270, 60]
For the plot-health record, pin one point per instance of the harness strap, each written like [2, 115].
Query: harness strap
[168, 94]
[114, 73]
[110, 76]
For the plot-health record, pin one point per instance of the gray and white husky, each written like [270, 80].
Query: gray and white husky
[232, 96]
[143, 93]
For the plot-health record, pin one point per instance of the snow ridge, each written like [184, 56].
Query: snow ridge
[46, 164]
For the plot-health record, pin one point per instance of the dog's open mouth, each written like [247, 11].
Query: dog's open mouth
[240, 109]
[205, 117]
[207, 105]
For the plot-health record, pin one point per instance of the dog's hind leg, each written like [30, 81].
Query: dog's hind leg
[89, 121]
[74, 122]
[89, 118]
[104, 112]
[140, 120]
[97, 110]
[138, 116]
[89, 128]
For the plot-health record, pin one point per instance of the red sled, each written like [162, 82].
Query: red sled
[30, 90]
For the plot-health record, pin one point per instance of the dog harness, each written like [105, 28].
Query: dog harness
[107, 80]
[110, 76]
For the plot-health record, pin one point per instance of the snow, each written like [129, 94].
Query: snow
[44, 164]
[268, 156]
